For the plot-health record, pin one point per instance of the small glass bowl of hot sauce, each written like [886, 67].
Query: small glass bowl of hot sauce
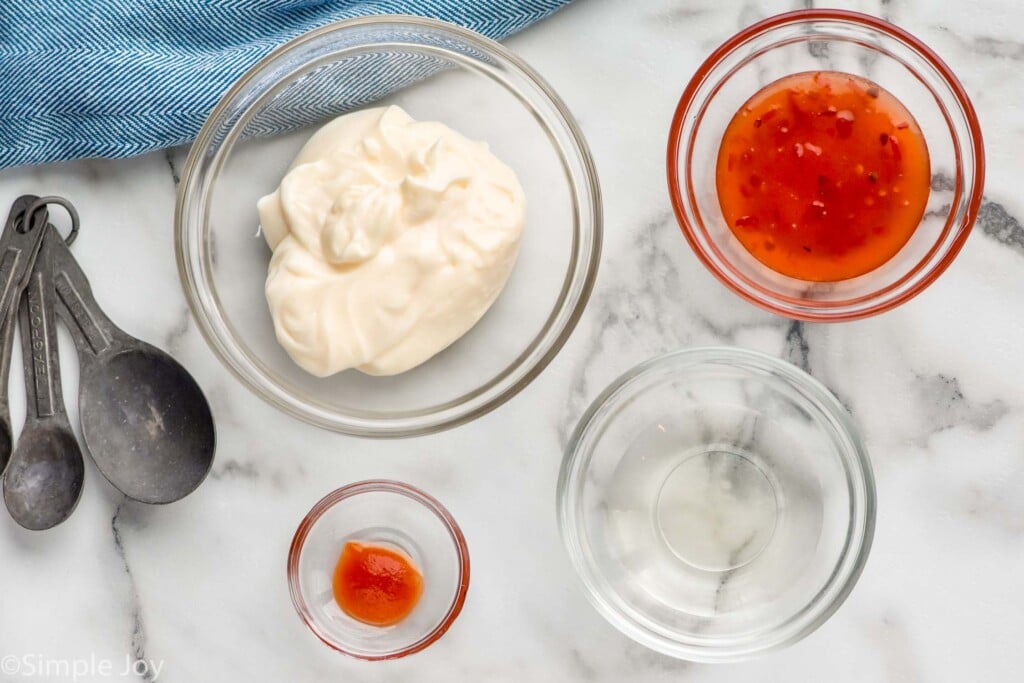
[825, 165]
[378, 570]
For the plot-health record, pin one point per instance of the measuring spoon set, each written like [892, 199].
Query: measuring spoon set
[144, 420]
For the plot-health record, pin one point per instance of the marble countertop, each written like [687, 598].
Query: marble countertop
[198, 588]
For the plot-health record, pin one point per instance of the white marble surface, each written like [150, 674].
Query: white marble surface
[936, 386]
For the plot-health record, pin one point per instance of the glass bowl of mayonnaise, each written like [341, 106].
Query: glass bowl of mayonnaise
[388, 226]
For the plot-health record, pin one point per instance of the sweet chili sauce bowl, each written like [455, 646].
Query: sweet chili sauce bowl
[717, 504]
[397, 516]
[858, 44]
[435, 71]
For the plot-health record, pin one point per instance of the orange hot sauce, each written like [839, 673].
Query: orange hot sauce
[823, 176]
[376, 585]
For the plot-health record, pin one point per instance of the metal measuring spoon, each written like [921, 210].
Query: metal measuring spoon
[44, 480]
[145, 421]
[6, 433]
[18, 248]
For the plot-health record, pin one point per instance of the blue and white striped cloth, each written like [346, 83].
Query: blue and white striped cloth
[114, 78]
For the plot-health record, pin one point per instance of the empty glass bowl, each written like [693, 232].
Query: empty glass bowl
[444, 73]
[716, 503]
[835, 40]
[394, 515]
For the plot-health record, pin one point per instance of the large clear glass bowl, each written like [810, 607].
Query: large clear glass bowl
[834, 40]
[717, 504]
[436, 71]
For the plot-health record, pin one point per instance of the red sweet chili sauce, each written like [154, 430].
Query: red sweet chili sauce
[376, 585]
[823, 176]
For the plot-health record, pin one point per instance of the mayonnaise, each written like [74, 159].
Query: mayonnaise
[391, 238]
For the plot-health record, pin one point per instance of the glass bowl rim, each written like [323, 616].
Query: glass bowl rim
[778, 303]
[580, 275]
[323, 506]
[859, 480]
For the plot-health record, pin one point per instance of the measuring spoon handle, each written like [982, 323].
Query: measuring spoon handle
[93, 332]
[18, 248]
[6, 350]
[15, 260]
[39, 337]
[6, 433]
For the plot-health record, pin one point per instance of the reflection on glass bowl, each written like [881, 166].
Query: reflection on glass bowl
[390, 514]
[468, 82]
[716, 503]
[849, 42]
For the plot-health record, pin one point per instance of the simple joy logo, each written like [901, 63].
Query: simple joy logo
[75, 669]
